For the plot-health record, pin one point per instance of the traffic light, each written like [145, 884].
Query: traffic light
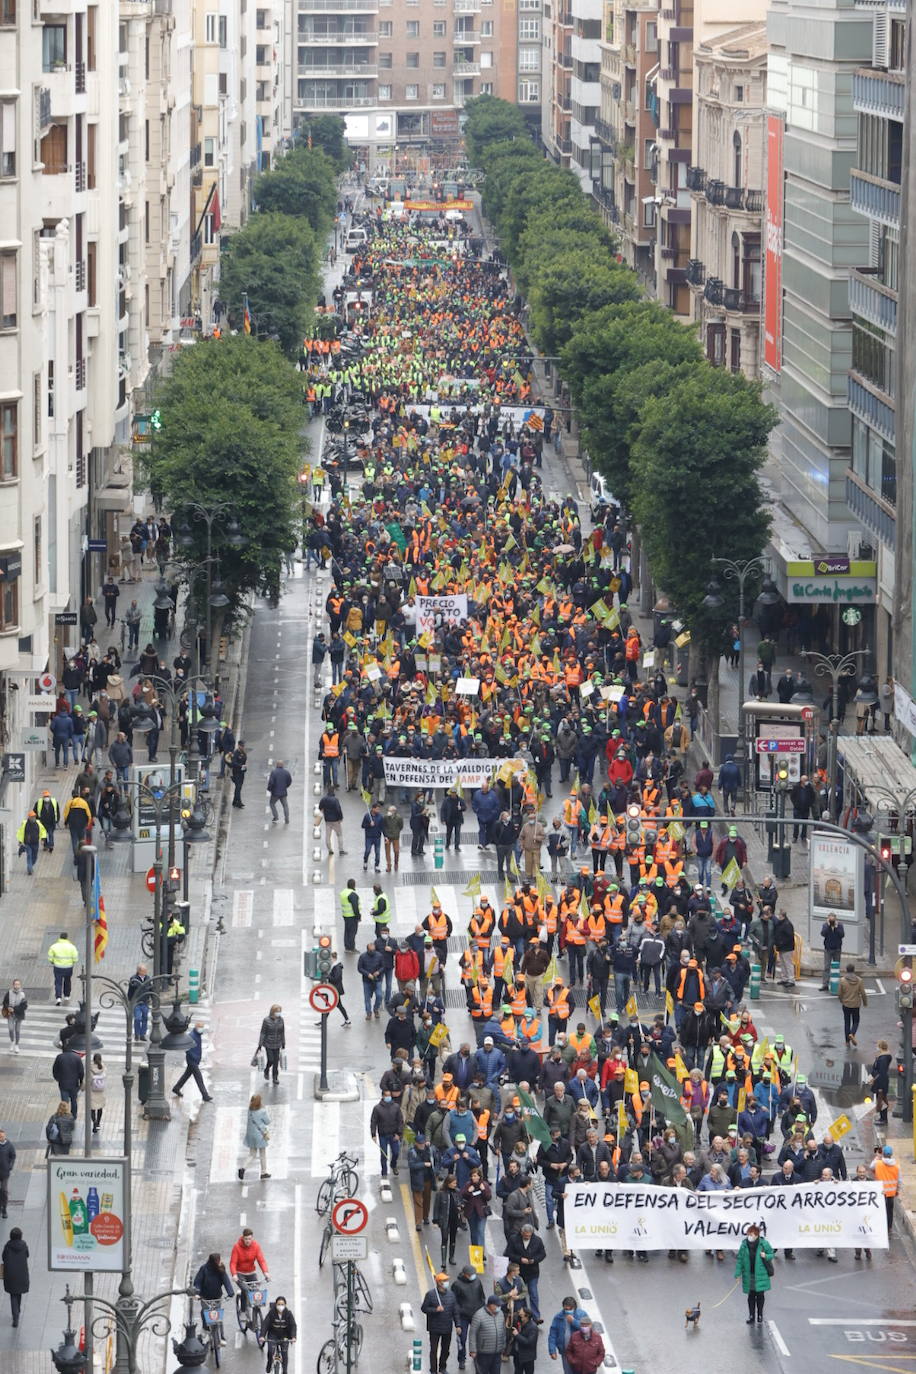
[634, 823]
[782, 777]
[885, 848]
[894, 846]
[311, 964]
[904, 972]
[325, 956]
[155, 420]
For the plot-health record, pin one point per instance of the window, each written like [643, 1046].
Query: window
[222, 31]
[529, 4]
[7, 11]
[873, 461]
[486, 88]
[529, 90]
[413, 59]
[648, 153]
[9, 440]
[652, 36]
[9, 606]
[53, 47]
[36, 550]
[529, 59]
[529, 30]
[92, 249]
[37, 407]
[9, 292]
[51, 384]
[210, 27]
[734, 347]
[486, 60]
[384, 92]
[486, 28]
[649, 213]
[209, 233]
[438, 28]
[385, 28]
[438, 59]
[209, 152]
[384, 59]
[437, 91]
[739, 94]
[737, 169]
[7, 138]
[411, 92]
[413, 28]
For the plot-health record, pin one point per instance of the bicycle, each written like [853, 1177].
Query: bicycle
[280, 1349]
[212, 1320]
[362, 1297]
[343, 1181]
[249, 1314]
[333, 1354]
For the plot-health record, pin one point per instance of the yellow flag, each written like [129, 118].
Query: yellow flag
[669, 1003]
[731, 874]
[742, 1099]
[631, 1082]
[438, 1034]
[550, 972]
[475, 1255]
[536, 618]
[473, 887]
[543, 886]
[433, 896]
[594, 1006]
[621, 1119]
[574, 785]
[412, 588]
[507, 890]
[632, 1006]
[349, 639]
[366, 795]
[513, 864]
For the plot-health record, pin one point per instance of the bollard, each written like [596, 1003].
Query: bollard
[834, 981]
[391, 1230]
[384, 1191]
[316, 832]
[754, 986]
[416, 1355]
[398, 1272]
[316, 854]
[406, 1314]
[438, 850]
[316, 789]
[193, 985]
[317, 877]
[316, 768]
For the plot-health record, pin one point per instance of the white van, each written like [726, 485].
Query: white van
[599, 496]
[356, 238]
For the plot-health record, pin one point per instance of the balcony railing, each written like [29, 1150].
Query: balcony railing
[79, 275]
[629, 54]
[79, 78]
[195, 155]
[465, 69]
[874, 199]
[467, 6]
[564, 146]
[368, 36]
[668, 135]
[714, 291]
[876, 93]
[367, 70]
[668, 15]
[564, 101]
[565, 59]
[333, 102]
[738, 300]
[696, 179]
[715, 192]
[604, 196]
[734, 197]
[668, 73]
[753, 202]
[629, 112]
[872, 301]
[606, 133]
[668, 254]
[696, 272]
[79, 176]
[332, 6]
[466, 36]
[79, 374]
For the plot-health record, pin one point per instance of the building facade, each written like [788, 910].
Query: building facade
[726, 186]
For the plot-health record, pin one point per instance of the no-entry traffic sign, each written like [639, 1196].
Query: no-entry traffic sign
[151, 879]
[323, 998]
[349, 1216]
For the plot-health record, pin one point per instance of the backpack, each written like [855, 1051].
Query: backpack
[98, 1082]
[52, 1130]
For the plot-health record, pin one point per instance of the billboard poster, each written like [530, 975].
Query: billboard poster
[836, 883]
[88, 1226]
[772, 258]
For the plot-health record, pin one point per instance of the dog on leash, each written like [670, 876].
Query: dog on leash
[692, 1317]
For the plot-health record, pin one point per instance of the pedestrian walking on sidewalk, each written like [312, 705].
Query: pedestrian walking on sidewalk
[853, 998]
[257, 1135]
[97, 1080]
[335, 978]
[15, 1261]
[272, 1040]
[879, 1081]
[754, 1267]
[48, 813]
[139, 990]
[192, 1058]
[278, 785]
[832, 936]
[59, 1131]
[68, 1073]
[30, 835]
[332, 812]
[239, 767]
[7, 1164]
[15, 1006]
[62, 955]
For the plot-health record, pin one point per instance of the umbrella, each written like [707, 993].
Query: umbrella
[564, 548]
[469, 502]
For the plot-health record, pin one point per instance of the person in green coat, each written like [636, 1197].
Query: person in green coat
[753, 1267]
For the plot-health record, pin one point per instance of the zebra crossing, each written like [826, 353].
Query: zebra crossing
[44, 1022]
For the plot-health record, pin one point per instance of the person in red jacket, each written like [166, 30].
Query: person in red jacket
[246, 1258]
[585, 1349]
[620, 769]
[731, 846]
[406, 966]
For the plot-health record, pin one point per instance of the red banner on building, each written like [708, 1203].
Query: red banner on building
[772, 302]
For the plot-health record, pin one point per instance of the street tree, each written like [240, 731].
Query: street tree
[302, 184]
[490, 120]
[328, 135]
[275, 261]
[564, 290]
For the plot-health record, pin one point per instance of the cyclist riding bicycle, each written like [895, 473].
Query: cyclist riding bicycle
[247, 1256]
[278, 1331]
[211, 1281]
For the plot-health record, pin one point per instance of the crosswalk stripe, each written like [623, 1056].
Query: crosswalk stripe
[43, 1024]
[283, 906]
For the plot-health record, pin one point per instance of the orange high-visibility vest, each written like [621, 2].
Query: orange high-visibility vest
[595, 927]
[889, 1176]
[614, 909]
[446, 1097]
[550, 915]
[502, 959]
[483, 1123]
[481, 1003]
[481, 927]
[558, 1003]
[580, 1042]
[331, 745]
[530, 1029]
[507, 1026]
[437, 926]
[518, 1000]
[575, 935]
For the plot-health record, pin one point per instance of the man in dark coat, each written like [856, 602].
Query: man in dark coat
[68, 1075]
[527, 1250]
[441, 1310]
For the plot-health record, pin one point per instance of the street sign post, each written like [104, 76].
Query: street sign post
[345, 1248]
[151, 880]
[349, 1216]
[323, 998]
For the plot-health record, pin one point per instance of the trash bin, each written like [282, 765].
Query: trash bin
[143, 1083]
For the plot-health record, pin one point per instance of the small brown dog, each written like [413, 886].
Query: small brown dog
[692, 1317]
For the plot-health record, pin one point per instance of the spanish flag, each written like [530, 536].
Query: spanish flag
[246, 319]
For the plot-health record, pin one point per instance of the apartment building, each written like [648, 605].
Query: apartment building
[572, 56]
[625, 185]
[401, 72]
[879, 100]
[726, 188]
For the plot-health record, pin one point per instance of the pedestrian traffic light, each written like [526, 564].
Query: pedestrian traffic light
[311, 964]
[155, 420]
[885, 848]
[894, 846]
[634, 823]
[325, 956]
[904, 971]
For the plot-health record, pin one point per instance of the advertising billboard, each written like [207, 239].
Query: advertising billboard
[772, 258]
[88, 1226]
[836, 869]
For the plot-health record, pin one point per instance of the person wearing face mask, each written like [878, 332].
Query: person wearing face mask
[386, 1126]
[278, 1332]
[585, 1349]
[441, 1311]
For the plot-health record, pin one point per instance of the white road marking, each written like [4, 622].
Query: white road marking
[297, 1270]
[860, 1321]
[778, 1340]
[283, 906]
[325, 1136]
[242, 908]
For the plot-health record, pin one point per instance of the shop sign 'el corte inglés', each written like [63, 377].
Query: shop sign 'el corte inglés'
[828, 580]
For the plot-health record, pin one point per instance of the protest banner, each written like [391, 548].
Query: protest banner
[435, 611]
[440, 772]
[627, 1216]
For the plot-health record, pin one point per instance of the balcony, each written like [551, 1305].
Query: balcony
[877, 414]
[739, 302]
[667, 135]
[668, 73]
[604, 195]
[879, 93]
[668, 15]
[79, 176]
[564, 146]
[734, 197]
[565, 59]
[715, 192]
[344, 38]
[606, 133]
[696, 272]
[466, 36]
[367, 70]
[874, 198]
[667, 254]
[629, 112]
[335, 6]
[564, 102]
[465, 69]
[872, 301]
[79, 374]
[629, 54]
[466, 6]
[333, 102]
[696, 179]
[79, 275]
[714, 291]
[753, 202]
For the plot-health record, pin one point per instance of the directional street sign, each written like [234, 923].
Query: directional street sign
[323, 998]
[780, 746]
[349, 1216]
[906, 949]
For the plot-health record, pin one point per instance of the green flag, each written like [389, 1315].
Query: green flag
[665, 1094]
[731, 874]
[537, 1126]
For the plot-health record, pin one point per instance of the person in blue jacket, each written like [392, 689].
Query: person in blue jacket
[568, 1320]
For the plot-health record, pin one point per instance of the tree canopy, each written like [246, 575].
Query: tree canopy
[301, 184]
[327, 132]
[489, 121]
[275, 260]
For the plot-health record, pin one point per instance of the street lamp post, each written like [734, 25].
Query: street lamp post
[834, 666]
[145, 1317]
[90, 854]
[234, 538]
[740, 570]
[209, 725]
